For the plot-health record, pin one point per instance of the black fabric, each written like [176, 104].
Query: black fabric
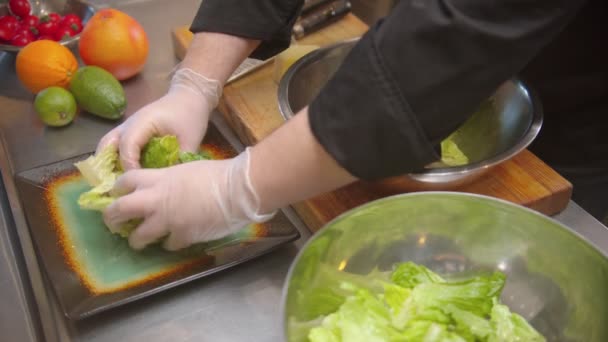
[270, 21]
[418, 74]
[570, 75]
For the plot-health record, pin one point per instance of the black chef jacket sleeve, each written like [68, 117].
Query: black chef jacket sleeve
[270, 21]
[418, 74]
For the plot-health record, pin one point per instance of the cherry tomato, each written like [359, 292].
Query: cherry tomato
[6, 34]
[11, 22]
[45, 37]
[46, 26]
[20, 8]
[21, 30]
[30, 21]
[54, 17]
[72, 21]
[22, 39]
[62, 33]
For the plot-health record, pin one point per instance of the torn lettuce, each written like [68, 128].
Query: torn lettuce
[160, 152]
[415, 304]
[451, 154]
[101, 170]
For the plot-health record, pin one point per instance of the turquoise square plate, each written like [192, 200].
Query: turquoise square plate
[93, 270]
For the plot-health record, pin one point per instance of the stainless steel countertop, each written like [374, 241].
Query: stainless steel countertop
[239, 304]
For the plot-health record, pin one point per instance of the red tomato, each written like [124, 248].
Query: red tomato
[22, 39]
[6, 34]
[47, 26]
[11, 22]
[45, 37]
[72, 21]
[22, 30]
[30, 21]
[54, 17]
[63, 33]
[20, 8]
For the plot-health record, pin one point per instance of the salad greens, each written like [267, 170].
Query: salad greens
[101, 170]
[412, 303]
[451, 154]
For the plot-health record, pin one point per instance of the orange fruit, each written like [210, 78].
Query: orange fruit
[114, 41]
[45, 63]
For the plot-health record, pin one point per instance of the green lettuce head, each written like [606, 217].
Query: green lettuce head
[101, 170]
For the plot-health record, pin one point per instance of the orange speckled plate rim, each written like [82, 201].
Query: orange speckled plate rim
[76, 265]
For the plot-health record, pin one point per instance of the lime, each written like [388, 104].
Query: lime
[55, 106]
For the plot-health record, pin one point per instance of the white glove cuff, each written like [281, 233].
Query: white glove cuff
[201, 86]
[247, 200]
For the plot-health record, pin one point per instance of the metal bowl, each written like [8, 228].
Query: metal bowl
[82, 9]
[555, 278]
[511, 119]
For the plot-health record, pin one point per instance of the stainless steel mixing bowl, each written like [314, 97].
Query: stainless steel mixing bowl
[82, 9]
[508, 122]
[555, 279]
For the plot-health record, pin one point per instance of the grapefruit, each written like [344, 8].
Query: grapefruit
[114, 41]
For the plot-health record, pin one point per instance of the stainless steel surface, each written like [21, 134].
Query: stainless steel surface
[83, 9]
[242, 304]
[17, 312]
[555, 278]
[503, 126]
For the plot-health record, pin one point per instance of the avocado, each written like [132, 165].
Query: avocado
[98, 92]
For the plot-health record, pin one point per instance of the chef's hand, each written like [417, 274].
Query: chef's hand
[188, 203]
[184, 111]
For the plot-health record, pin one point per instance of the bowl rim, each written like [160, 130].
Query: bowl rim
[457, 194]
[526, 139]
[68, 42]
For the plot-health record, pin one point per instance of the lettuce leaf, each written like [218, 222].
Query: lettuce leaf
[160, 152]
[411, 304]
[101, 170]
[451, 154]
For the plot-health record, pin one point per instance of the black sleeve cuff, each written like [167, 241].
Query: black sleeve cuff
[419, 74]
[365, 123]
[270, 21]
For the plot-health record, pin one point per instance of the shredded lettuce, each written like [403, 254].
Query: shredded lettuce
[101, 170]
[414, 304]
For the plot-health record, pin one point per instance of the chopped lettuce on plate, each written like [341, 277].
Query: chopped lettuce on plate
[415, 304]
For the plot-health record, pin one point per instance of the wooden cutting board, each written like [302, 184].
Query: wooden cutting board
[250, 106]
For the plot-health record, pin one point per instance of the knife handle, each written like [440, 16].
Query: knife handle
[312, 4]
[325, 16]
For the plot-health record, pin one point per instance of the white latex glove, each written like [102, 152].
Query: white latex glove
[184, 111]
[192, 202]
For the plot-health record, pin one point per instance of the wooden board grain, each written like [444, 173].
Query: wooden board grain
[250, 106]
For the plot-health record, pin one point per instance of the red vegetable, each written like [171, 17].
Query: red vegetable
[63, 33]
[45, 37]
[72, 21]
[20, 8]
[54, 17]
[47, 26]
[6, 33]
[11, 22]
[30, 21]
[22, 30]
[22, 39]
